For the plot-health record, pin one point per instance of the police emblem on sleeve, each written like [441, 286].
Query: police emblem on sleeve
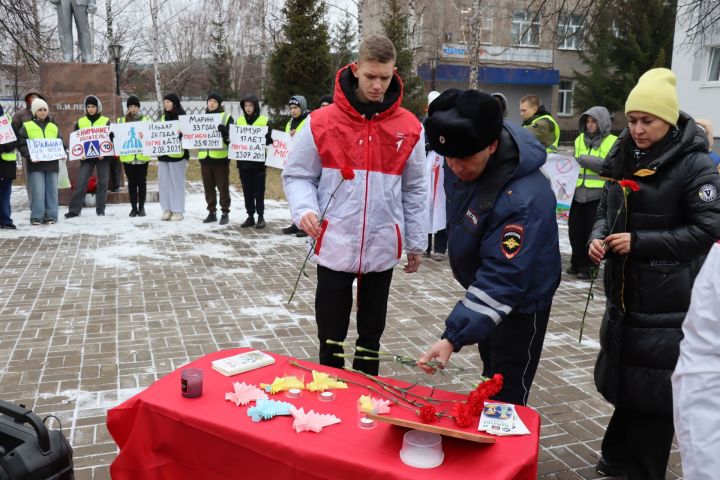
[511, 240]
[707, 193]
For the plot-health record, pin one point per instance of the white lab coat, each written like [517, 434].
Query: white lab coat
[696, 381]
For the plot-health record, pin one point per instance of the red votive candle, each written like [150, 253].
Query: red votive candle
[191, 381]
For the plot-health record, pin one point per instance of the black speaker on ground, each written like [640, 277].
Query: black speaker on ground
[28, 450]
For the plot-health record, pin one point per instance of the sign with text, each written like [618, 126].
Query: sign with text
[163, 139]
[279, 151]
[128, 137]
[562, 170]
[6, 132]
[200, 132]
[247, 143]
[46, 149]
[92, 142]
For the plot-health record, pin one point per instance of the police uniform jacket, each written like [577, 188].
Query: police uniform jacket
[502, 239]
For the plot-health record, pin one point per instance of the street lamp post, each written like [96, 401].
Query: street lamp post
[433, 69]
[116, 52]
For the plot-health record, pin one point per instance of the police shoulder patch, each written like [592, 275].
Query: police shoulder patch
[511, 240]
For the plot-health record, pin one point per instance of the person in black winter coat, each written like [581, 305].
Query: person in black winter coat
[8, 170]
[654, 241]
[215, 166]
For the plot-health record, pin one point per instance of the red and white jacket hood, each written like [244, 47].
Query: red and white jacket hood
[382, 210]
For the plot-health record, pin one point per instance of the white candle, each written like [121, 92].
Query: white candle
[294, 391]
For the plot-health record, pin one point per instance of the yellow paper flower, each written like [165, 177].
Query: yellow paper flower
[366, 404]
[281, 384]
[322, 381]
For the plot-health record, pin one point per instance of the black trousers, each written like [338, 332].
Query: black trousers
[137, 183]
[640, 442]
[253, 185]
[115, 173]
[333, 303]
[440, 242]
[580, 223]
[513, 349]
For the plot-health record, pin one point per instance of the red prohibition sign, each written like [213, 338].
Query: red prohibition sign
[564, 165]
[77, 150]
[106, 147]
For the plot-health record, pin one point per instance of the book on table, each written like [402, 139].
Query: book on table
[242, 362]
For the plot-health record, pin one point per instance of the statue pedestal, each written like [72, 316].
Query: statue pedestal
[66, 85]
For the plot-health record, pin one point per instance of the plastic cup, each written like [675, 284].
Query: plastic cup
[422, 449]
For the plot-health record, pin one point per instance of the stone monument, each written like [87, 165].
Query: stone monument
[80, 10]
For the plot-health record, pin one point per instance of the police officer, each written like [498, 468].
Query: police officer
[502, 238]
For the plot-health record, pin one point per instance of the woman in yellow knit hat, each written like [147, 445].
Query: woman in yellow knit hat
[653, 236]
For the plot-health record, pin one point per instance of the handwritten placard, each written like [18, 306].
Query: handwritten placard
[200, 132]
[562, 170]
[128, 137]
[92, 142]
[7, 134]
[163, 139]
[247, 143]
[279, 151]
[46, 149]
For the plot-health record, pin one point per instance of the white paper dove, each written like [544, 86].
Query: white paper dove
[311, 421]
[245, 394]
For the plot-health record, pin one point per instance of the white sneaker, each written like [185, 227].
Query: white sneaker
[166, 215]
[176, 217]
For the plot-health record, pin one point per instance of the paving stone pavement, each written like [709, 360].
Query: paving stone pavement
[95, 309]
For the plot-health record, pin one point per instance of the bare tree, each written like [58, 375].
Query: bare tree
[20, 23]
[700, 18]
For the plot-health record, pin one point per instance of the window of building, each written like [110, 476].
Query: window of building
[486, 31]
[565, 94]
[615, 29]
[526, 29]
[714, 70]
[570, 32]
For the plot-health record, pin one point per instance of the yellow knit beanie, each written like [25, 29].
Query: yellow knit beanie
[655, 94]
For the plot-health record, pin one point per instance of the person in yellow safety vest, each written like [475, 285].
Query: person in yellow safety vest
[135, 166]
[8, 169]
[93, 118]
[215, 166]
[252, 174]
[42, 175]
[298, 115]
[539, 121]
[591, 148]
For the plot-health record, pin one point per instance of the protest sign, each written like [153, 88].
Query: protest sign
[163, 139]
[562, 170]
[91, 142]
[6, 132]
[247, 143]
[200, 132]
[46, 149]
[279, 151]
[128, 137]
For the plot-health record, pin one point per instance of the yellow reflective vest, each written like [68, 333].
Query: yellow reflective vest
[299, 127]
[34, 131]
[8, 156]
[84, 122]
[221, 153]
[553, 148]
[261, 121]
[589, 178]
[132, 158]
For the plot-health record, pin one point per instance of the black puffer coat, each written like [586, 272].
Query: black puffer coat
[674, 219]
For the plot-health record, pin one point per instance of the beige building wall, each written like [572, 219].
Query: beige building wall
[441, 29]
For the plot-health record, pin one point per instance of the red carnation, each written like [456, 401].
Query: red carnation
[461, 413]
[347, 172]
[427, 414]
[631, 184]
[476, 401]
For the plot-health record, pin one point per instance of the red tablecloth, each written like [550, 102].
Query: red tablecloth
[162, 435]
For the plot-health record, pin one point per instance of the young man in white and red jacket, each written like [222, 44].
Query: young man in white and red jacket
[361, 161]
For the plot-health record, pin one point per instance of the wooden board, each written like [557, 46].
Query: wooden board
[427, 427]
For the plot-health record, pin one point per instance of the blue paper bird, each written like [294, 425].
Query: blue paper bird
[267, 409]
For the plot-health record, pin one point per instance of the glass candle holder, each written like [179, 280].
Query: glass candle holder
[326, 396]
[363, 421]
[191, 382]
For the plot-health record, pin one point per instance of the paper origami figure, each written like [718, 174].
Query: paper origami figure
[280, 384]
[311, 421]
[245, 394]
[369, 404]
[267, 409]
[323, 381]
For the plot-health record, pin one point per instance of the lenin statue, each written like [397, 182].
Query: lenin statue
[80, 9]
